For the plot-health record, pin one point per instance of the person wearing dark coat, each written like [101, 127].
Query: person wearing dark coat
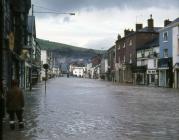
[15, 104]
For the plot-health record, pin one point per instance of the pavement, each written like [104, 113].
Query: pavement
[87, 109]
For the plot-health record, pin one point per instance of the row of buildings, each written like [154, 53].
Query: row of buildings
[19, 51]
[147, 56]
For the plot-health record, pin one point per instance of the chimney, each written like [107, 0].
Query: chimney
[127, 32]
[166, 22]
[150, 22]
[138, 26]
[119, 37]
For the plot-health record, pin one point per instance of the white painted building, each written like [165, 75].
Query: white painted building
[175, 40]
[147, 60]
[89, 70]
[43, 61]
[104, 68]
[79, 71]
[152, 67]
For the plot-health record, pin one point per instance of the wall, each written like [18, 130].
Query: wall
[175, 45]
[166, 44]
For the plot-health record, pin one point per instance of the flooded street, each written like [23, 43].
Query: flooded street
[86, 109]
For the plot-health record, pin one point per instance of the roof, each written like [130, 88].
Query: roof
[143, 30]
[150, 44]
[147, 29]
[31, 25]
[173, 23]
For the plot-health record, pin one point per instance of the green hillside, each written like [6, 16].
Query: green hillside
[67, 54]
[48, 45]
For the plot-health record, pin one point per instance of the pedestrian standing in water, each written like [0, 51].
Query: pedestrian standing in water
[15, 105]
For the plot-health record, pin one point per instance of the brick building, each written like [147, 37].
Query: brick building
[126, 49]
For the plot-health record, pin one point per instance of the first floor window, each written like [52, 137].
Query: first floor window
[165, 53]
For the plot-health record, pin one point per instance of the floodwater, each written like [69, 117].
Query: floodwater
[86, 109]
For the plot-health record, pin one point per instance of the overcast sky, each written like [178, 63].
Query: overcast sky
[98, 22]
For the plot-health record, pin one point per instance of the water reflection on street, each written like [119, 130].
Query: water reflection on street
[85, 109]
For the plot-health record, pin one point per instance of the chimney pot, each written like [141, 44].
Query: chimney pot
[139, 26]
[150, 22]
[166, 22]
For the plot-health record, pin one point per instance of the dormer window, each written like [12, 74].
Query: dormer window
[165, 36]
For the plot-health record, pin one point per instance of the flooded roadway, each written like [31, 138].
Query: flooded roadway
[86, 109]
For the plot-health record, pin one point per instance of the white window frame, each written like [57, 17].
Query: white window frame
[165, 54]
[165, 38]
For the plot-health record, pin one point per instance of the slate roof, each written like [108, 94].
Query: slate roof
[173, 22]
[150, 44]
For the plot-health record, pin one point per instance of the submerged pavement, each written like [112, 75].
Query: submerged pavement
[86, 109]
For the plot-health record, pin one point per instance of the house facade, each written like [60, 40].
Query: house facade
[13, 22]
[126, 51]
[79, 71]
[168, 62]
[175, 40]
[111, 64]
[147, 60]
[31, 55]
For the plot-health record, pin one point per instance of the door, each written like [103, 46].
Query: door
[162, 78]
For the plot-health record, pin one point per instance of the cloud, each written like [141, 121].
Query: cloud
[76, 5]
[100, 44]
[97, 23]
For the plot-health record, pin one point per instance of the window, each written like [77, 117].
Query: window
[124, 59]
[142, 62]
[124, 45]
[155, 62]
[130, 42]
[130, 58]
[142, 53]
[165, 36]
[165, 53]
[119, 47]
